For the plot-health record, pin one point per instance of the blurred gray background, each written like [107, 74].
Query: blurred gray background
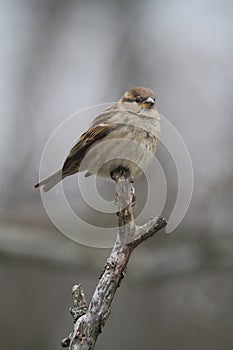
[58, 57]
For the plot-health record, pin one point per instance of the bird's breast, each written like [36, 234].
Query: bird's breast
[129, 146]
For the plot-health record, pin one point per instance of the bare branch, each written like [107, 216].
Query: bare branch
[88, 326]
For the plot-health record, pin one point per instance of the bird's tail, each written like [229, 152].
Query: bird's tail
[50, 181]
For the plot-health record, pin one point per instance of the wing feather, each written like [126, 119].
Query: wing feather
[78, 151]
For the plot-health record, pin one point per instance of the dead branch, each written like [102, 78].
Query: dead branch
[90, 321]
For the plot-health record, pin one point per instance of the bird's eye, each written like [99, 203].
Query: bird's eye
[138, 99]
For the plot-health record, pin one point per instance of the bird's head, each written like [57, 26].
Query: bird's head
[141, 96]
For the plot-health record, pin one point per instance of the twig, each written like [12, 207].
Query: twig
[88, 326]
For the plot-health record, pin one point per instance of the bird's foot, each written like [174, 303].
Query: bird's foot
[120, 172]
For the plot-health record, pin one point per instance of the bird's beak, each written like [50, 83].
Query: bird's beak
[148, 103]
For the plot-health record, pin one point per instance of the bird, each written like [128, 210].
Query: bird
[122, 139]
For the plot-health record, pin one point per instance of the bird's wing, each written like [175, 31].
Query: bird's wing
[86, 140]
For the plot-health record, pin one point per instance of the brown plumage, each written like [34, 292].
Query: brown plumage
[133, 118]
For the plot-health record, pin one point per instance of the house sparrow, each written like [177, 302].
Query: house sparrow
[124, 137]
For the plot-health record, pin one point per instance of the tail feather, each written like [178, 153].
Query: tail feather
[50, 181]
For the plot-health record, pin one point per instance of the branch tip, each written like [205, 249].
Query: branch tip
[79, 302]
